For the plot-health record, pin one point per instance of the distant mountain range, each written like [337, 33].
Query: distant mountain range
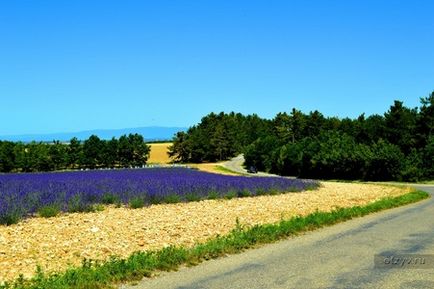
[150, 133]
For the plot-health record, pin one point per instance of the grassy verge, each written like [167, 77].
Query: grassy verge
[141, 264]
[228, 171]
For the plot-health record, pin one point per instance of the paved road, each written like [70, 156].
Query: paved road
[341, 256]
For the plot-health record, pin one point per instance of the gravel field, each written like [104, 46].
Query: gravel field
[62, 241]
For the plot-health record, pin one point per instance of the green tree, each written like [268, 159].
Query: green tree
[262, 153]
[428, 159]
[386, 163]
[425, 121]
[92, 152]
[133, 151]
[7, 156]
[298, 123]
[74, 153]
[58, 155]
[179, 150]
[283, 128]
[140, 150]
[110, 154]
[400, 126]
[375, 129]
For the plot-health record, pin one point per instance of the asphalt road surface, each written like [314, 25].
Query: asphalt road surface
[340, 256]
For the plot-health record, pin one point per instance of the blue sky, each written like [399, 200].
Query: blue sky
[78, 65]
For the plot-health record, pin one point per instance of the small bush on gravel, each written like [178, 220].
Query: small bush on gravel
[76, 205]
[171, 199]
[192, 197]
[49, 211]
[98, 208]
[10, 218]
[136, 203]
[243, 194]
[213, 195]
[109, 199]
[230, 195]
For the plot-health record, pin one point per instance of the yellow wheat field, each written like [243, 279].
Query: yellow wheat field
[158, 153]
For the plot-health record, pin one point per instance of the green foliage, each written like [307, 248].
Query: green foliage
[128, 151]
[386, 162]
[428, 157]
[172, 199]
[92, 148]
[261, 153]
[400, 124]
[132, 150]
[93, 274]
[395, 146]
[76, 205]
[98, 208]
[74, 153]
[49, 211]
[213, 196]
[136, 203]
[243, 194]
[7, 156]
[230, 195]
[109, 199]
[192, 197]
[11, 217]
[226, 170]
[218, 137]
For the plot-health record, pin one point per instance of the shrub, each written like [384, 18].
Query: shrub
[10, 218]
[171, 199]
[49, 211]
[192, 197]
[244, 193]
[76, 205]
[213, 195]
[230, 195]
[136, 203]
[109, 199]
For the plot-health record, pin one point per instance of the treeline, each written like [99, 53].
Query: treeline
[218, 137]
[398, 145]
[127, 151]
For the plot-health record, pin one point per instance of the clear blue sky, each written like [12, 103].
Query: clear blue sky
[78, 65]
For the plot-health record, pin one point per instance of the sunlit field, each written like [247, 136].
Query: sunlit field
[158, 153]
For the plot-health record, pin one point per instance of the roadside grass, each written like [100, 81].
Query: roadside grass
[222, 169]
[95, 275]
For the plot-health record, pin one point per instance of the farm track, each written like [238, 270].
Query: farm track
[58, 242]
[236, 164]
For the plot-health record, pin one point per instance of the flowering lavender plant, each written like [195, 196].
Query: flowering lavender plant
[24, 194]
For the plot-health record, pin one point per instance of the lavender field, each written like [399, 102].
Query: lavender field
[22, 195]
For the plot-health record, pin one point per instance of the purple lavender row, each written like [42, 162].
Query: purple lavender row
[24, 194]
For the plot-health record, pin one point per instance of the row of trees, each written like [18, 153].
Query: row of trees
[218, 137]
[398, 145]
[127, 151]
